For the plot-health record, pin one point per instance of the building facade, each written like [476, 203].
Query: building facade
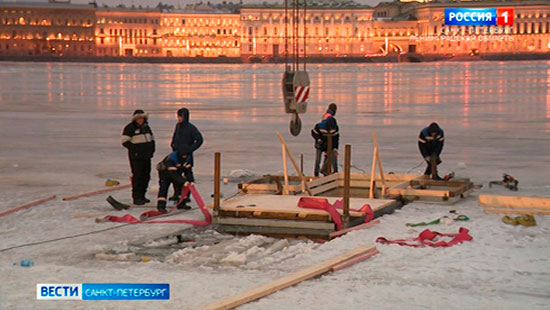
[328, 29]
[47, 29]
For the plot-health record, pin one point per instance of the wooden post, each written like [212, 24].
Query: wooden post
[372, 172]
[329, 154]
[302, 183]
[294, 163]
[285, 171]
[216, 182]
[347, 177]
[302, 163]
[379, 163]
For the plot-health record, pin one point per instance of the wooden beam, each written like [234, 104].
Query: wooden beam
[274, 223]
[329, 154]
[294, 163]
[372, 172]
[284, 282]
[439, 183]
[217, 173]
[355, 260]
[419, 192]
[379, 164]
[27, 205]
[358, 227]
[285, 171]
[517, 211]
[101, 191]
[394, 177]
[515, 202]
[323, 188]
[323, 180]
[347, 169]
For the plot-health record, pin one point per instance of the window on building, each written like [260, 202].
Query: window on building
[101, 30]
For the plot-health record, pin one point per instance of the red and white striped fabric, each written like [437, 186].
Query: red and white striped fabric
[301, 93]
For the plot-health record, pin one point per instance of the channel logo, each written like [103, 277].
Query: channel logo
[479, 17]
[103, 291]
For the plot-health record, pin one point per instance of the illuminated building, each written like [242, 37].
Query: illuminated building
[203, 34]
[128, 32]
[46, 29]
[329, 32]
[332, 30]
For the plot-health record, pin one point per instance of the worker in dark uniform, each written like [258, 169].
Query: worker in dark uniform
[170, 172]
[430, 143]
[185, 140]
[138, 138]
[324, 130]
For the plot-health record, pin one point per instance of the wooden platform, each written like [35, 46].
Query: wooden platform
[279, 215]
[409, 187]
[424, 189]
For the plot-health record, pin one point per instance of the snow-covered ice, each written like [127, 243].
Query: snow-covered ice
[61, 125]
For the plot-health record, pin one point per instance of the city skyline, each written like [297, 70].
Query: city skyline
[181, 3]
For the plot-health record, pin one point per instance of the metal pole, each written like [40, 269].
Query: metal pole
[347, 177]
[217, 165]
[305, 38]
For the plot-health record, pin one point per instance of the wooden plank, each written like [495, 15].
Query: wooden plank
[27, 205]
[275, 223]
[355, 260]
[217, 173]
[520, 202]
[285, 171]
[394, 177]
[284, 282]
[384, 187]
[439, 183]
[372, 172]
[419, 192]
[323, 180]
[101, 191]
[517, 211]
[358, 227]
[461, 190]
[302, 178]
[323, 188]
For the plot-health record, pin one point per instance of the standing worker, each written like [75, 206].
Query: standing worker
[324, 130]
[185, 140]
[430, 143]
[138, 138]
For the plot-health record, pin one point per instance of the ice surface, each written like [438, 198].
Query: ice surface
[61, 126]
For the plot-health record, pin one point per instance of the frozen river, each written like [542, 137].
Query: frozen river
[61, 124]
[496, 115]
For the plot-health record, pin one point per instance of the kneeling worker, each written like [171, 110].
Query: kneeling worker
[170, 172]
[430, 143]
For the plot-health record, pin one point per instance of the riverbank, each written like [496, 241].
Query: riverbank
[408, 57]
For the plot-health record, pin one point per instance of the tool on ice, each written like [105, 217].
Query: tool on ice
[508, 181]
